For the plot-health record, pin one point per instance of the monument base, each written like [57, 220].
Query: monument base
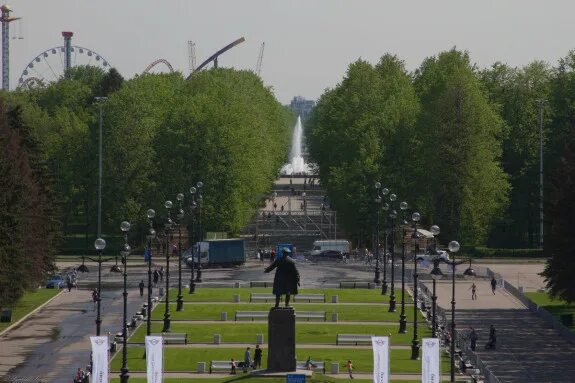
[281, 340]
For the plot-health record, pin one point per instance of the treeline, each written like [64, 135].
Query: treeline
[458, 143]
[161, 135]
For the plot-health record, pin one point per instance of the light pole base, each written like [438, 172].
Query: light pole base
[384, 287]
[402, 324]
[167, 324]
[376, 278]
[192, 287]
[124, 377]
[180, 303]
[392, 303]
[415, 349]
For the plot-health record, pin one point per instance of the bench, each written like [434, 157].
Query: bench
[353, 338]
[320, 366]
[261, 284]
[307, 315]
[173, 337]
[310, 298]
[251, 315]
[262, 297]
[356, 285]
[220, 365]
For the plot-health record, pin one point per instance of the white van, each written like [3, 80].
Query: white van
[340, 245]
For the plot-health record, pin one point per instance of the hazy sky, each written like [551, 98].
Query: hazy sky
[309, 43]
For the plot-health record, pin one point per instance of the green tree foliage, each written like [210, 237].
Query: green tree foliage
[515, 93]
[460, 149]
[28, 227]
[356, 136]
[560, 247]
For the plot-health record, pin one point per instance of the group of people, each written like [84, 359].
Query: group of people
[72, 280]
[491, 343]
[81, 376]
[473, 288]
[158, 275]
[248, 363]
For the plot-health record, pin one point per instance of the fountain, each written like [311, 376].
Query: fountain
[296, 163]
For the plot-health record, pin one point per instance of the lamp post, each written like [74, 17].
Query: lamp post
[393, 216]
[385, 207]
[150, 214]
[200, 199]
[193, 206]
[376, 247]
[435, 274]
[125, 252]
[100, 245]
[469, 272]
[180, 217]
[168, 205]
[402, 318]
[415, 217]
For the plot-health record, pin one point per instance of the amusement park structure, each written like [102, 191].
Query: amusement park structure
[6, 19]
[53, 63]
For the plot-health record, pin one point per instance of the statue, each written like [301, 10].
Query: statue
[286, 279]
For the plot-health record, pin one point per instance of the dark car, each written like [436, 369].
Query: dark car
[55, 282]
[331, 254]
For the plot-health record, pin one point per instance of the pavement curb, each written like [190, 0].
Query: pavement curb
[7, 329]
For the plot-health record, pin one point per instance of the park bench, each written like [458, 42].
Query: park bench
[356, 285]
[319, 366]
[262, 297]
[173, 337]
[251, 315]
[220, 365]
[307, 315]
[261, 284]
[353, 338]
[310, 298]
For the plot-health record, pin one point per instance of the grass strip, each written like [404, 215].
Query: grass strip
[28, 303]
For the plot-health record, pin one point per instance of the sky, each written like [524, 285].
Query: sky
[308, 43]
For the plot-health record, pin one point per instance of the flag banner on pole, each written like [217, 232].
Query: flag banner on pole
[380, 359]
[154, 358]
[99, 359]
[430, 369]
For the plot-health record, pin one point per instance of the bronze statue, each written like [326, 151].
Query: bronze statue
[286, 279]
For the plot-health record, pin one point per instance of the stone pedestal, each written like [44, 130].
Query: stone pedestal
[281, 340]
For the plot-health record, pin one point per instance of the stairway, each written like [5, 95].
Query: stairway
[528, 350]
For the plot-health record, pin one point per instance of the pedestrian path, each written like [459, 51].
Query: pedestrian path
[244, 345]
[328, 323]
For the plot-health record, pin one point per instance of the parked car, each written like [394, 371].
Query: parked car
[331, 254]
[430, 256]
[55, 282]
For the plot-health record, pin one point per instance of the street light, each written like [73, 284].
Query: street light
[193, 207]
[125, 252]
[168, 205]
[469, 272]
[150, 214]
[180, 217]
[385, 207]
[200, 199]
[402, 318]
[415, 217]
[435, 274]
[378, 200]
[100, 245]
[393, 216]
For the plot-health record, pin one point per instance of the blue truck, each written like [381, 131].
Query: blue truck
[220, 252]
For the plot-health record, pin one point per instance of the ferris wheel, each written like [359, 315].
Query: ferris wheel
[50, 65]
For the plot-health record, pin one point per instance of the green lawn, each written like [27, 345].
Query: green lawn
[306, 333]
[347, 312]
[186, 359]
[227, 294]
[240, 378]
[556, 307]
[29, 302]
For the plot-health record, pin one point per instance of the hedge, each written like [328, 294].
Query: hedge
[482, 252]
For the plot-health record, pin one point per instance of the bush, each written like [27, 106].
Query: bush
[483, 252]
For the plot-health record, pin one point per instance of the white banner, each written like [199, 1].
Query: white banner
[430, 369]
[380, 359]
[154, 358]
[99, 359]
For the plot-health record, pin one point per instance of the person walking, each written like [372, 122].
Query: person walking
[493, 284]
[233, 366]
[69, 283]
[473, 289]
[247, 359]
[473, 338]
[161, 274]
[141, 286]
[257, 357]
[156, 277]
[94, 298]
[492, 339]
[349, 367]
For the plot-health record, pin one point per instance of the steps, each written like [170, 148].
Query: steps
[528, 350]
